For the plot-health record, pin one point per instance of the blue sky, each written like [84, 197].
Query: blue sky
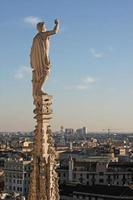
[92, 63]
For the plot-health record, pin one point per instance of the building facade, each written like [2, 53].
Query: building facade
[95, 173]
[17, 175]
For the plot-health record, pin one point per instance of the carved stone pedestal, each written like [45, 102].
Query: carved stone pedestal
[44, 180]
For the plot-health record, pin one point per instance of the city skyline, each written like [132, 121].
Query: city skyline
[92, 75]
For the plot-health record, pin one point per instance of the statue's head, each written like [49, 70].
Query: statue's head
[41, 27]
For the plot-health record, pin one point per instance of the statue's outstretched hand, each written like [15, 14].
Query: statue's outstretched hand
[56, 21]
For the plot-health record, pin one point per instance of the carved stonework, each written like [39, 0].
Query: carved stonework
[44, 180]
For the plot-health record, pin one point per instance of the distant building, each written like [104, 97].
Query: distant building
[94, 172]
[17, 176]
[68, 135]
[82, 131]
[69, 131]
[27, 146]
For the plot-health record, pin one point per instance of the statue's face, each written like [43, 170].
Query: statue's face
[43, 28]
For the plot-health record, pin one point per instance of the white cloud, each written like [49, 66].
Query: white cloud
[22, 72]
[97, 55]
[84, 84]
[76, 87]
[89, 80]
[82, 87]
[32, 20]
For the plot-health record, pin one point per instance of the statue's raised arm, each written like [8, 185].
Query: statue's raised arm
[39, 57]
[55, 29]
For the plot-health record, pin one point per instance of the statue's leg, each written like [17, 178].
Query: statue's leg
[42, 80]
[35, 86]
[38, 82]
[35, 83]
[41, 84]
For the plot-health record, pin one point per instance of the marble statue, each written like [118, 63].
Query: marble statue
[39, 57]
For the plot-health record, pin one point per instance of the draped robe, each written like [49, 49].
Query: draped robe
[39, 60]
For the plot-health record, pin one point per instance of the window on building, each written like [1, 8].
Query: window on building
[101, 173]
[81, 180]
[10, 187]
[14, 175]
[74, 175]
[114, 176]
[124, 182]
[83, 196]
[108, 176]
[100, 180]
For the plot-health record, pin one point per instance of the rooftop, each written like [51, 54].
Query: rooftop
[118, 191]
